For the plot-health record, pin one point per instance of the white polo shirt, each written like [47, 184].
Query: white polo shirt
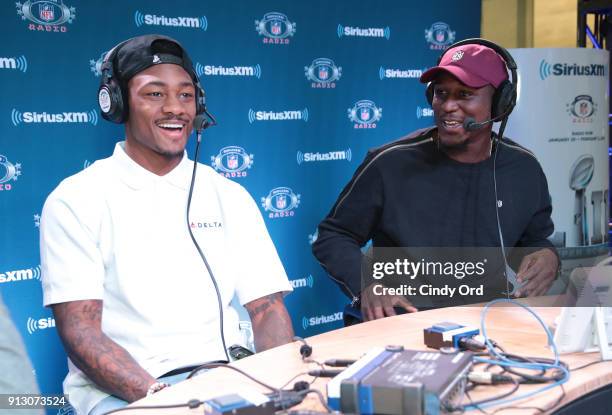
[118, 233]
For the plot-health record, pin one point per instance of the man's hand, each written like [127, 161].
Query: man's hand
[270, 320]
[106, 363]
[379, 306]
[537, 273]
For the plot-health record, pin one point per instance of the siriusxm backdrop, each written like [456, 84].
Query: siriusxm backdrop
[300, 90]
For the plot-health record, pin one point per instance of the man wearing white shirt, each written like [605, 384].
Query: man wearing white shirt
[132, 299]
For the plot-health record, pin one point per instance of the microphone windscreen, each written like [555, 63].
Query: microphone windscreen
[470, 124]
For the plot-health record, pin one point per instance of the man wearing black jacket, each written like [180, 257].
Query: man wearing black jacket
[436, 188]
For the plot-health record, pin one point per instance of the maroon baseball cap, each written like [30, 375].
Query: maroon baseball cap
[474, 65]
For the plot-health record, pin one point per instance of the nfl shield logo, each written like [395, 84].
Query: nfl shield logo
[323, 73]
[440, 35]
[46, 12]
[281, 201]
[232, 162]
[276, 28]
[364, 114]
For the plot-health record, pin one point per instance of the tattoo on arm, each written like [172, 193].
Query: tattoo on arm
[271, 323]
[106, 363]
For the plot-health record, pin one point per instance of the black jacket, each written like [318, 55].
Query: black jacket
[408, 193]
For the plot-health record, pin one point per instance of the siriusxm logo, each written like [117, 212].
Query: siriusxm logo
[317, 320]
[95, 65]
[232, 161]
[46, 15]
[275, 28]
[399, 73]
[312, 238]
[381, 32]
[20, 275]
[329, 156]
[364, 114]
[439, 36]
[18, 117]
[323, 73]
[424, 112]
[19, 63]
[280, 202]
[8, 172]
[278, 116]
[199, 22]
[302, 282]
[571, 69]
[40, 324]
[211, 70]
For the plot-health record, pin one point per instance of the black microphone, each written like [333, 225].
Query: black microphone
[470, 124]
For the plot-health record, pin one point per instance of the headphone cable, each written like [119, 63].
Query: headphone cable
[195, 242]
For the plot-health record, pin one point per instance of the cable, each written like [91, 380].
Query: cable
[195, 242]
[192, 404]
[587, 365]
[225, 365]
[504, 361]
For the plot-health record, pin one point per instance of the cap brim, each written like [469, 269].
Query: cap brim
[464, 77]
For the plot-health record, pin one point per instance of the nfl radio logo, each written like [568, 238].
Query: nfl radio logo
[275, 28]
[280, 202]
[46, 12]
[439, 36]
[364, 114]
[232, 162]
[323, 73]
[582, 109]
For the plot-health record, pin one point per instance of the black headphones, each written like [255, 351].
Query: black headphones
[504, 98]
[112, 99]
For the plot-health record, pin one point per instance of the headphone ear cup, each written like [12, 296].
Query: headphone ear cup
[429, 93]
[110, 101]
[504, 99]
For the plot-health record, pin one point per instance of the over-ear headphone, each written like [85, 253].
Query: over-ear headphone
[112, 97]
[504, 98]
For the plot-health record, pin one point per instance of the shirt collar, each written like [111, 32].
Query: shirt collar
[137, 177]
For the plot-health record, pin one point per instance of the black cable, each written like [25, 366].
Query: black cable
[587, 365]
[195, 242]
[192, 404]
[493, 398]
[224, 365]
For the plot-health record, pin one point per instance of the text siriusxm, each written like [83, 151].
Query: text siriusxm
[65, 117]
[229, 71]
[332, 155]
[364, 32]
[278, 116]
[315, 321]
[8, 63]
[401, 73]
[575, 69]
[151, 19]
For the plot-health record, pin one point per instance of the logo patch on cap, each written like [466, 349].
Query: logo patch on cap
[457, 55]
[156, 59]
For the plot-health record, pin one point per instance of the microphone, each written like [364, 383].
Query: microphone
[470, 124]
[202, 122]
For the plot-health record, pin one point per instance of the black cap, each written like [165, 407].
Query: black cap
[139, 53]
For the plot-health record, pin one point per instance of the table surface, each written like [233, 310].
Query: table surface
[511, 326]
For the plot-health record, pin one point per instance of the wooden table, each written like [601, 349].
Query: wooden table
[511, 326]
